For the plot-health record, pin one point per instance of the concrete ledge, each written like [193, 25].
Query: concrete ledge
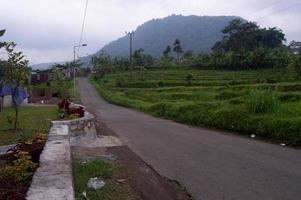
[53, 179]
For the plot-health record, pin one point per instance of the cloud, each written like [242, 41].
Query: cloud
[47, 30]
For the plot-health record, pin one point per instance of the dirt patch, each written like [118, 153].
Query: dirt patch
[144, 181]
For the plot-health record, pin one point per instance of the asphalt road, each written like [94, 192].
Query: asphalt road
[211, 164]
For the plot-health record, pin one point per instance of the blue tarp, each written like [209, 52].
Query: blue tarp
[20, 95]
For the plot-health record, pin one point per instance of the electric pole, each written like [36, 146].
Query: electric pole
[131, 46]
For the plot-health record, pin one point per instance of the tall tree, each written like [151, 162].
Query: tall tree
[2, 32]
[141, 59]
[243, 36]
[295, 46]
[177, 48]
[2, 44]
[16, 74]
[167, 51]
[102, 64]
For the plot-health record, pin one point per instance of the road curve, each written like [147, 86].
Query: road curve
[211, 165]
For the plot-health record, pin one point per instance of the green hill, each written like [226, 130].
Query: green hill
[197, 33]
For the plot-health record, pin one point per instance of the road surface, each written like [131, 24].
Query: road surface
[210, 164]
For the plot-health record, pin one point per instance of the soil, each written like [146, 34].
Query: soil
[9, 188]
[144, 181]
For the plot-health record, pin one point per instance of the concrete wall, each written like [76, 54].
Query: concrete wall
[53, 179]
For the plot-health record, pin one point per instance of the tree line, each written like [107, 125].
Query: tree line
[244, 46]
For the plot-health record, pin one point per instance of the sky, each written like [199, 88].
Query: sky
[47, 30]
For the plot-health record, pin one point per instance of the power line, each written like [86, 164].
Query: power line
[266, 7]
[83, 24]
[282, 10]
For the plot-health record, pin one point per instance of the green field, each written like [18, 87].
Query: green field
[216, 99]
[32, 121]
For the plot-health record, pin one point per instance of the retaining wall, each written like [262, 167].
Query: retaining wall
[53, 178]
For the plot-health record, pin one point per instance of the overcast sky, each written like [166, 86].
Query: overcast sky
[46, 30]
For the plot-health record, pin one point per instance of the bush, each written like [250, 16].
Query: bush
[227, 94]
[289, 97]
[160, 109]
[297, 65]
[21, 169]
[120, 82]
[188, 79]
[77, 111]
[66, 111]
[262, 101]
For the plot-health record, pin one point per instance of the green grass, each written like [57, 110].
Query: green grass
[107, 171]
[215, 99]
[32, 121]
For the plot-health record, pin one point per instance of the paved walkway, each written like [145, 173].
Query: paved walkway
[212, 165]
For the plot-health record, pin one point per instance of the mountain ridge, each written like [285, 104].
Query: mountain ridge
[196, 33]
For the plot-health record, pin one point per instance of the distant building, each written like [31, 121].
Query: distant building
[40, 77]
[38, 95]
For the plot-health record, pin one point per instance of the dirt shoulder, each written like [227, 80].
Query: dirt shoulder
[145, 183]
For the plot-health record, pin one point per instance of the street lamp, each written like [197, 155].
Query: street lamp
[74, 48]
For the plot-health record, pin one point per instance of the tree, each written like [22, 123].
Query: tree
[102, 64]
[166, 52]
[140, 59]
[2, 32]
[295, 46]
[16, 73]
[2, 44]
[296, 64]
[177, 48]
[59, 83]
[243, 36]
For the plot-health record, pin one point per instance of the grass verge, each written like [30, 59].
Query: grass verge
[105, 170]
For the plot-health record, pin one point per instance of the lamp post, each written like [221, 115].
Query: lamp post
[74, 52]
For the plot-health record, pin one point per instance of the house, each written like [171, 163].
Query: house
[38, 77]
[38, 95]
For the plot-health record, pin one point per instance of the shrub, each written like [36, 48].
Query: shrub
[120, 82]
[161, 84]
[289, 97]
[21, 169]
[188, 79]
[234, 119]
[262, 101]
[297, 65]
[66, 111]
[64, 104]
[227, 94]
[160, 109]
[77, 111]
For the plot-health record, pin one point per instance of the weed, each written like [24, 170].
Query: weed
[262, 101]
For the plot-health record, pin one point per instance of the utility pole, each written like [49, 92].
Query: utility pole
[131, 46]
[74, 60]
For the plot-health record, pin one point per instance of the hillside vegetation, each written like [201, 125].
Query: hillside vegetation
[263, 102]
[198, 33]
